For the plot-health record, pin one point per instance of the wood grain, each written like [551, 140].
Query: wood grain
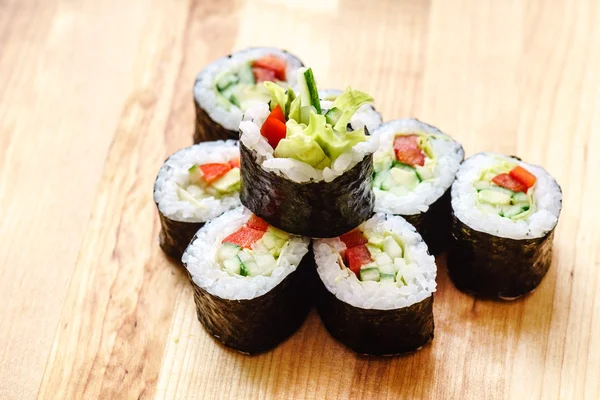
[95, 95]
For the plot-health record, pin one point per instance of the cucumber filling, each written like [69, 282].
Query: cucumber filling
[496, 200]
[260, 259]
[209, 184]
[243, 87]
[394, 176]
[386, 260]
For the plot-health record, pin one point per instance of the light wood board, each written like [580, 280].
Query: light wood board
[96, 94]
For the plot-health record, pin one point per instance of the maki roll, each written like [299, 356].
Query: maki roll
[375, 287]
[249, 281]
[414, 167]
[366, 116]
[230, 85]
[194, 185]
[504, 212]
[305, 169]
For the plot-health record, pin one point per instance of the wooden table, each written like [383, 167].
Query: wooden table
[96, 94]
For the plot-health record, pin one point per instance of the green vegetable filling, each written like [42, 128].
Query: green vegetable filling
[261, 259]
[494, 199]
[312, 137]
[197, 188]
[390, 263]
[401, 179]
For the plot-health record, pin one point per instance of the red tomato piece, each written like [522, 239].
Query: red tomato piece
[508, 182]
[212, 172]
[277, 113]
[263, 74]
[245, 237]
[408, 151]
[257, 223]
[234, 163]
[273, 130]
[357, 256]
[272, 63]
[522, 175]
[353, 238]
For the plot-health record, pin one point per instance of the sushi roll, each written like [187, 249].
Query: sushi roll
[225, 89]
[414, 167]
[194, 185]
[375, 287]
[305, 170]
[249, 280]
[366, 116]
[504, 212]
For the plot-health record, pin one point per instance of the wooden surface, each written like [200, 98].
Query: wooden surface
[96, 94]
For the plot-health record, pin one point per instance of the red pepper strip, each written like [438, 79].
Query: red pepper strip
[523, 176]
[212, 172]
[408, 151]
[245, 237]
[353, 238]
[356, 257]
[263, 74]
[273, 129]
[508, 182]
[257, 223]
[272, 63]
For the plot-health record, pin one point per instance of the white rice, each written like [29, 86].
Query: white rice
[199, 259]
[375, 295]
[295, 170]
[547, 198]
[204, 91]
[174, 173]
[449, 156]
[366, 116]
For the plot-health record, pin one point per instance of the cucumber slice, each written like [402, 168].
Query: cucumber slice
[196, 191]
[228, 251]
[391, 247]
[383, 259]
[399, 263]
[228, 182]
[383, 164]
[246, 75]
[333, 115]
[388, 182]
[185, 196]
[501, 190]
[494, 197]
[424, 173]
[379, 177]
[233, 266]
[376, 240]
[313, 92]
[481, 185]
[405, 177]
[369, 274]
[269, 240]
[195, 174]
[510, 211]
[226, 80]
[387, 277]
[520, 197]
[243, 269]
[291, 96]
[387, 269]
[265, 263]
[305, 112]
[373, 249]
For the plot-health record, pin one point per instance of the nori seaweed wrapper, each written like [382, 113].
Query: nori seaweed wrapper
[258, 324]
[434, 224]
[208, 130]
[175, 236]
[493, 266]
[314, 209]
[376, 332]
